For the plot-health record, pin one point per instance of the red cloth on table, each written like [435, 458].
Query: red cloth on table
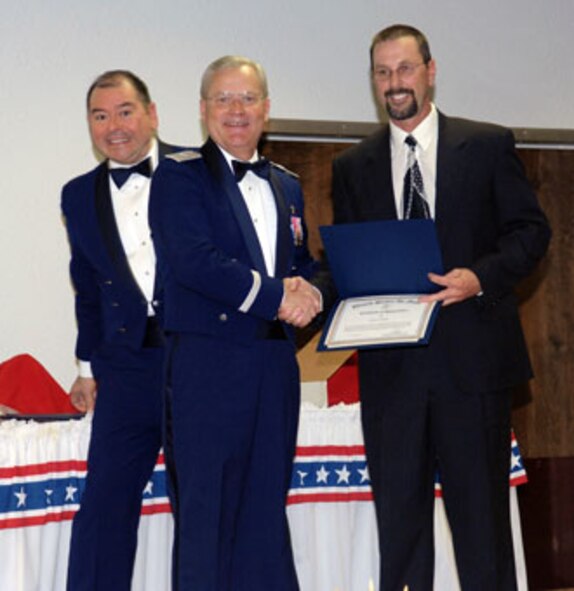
[27, 387]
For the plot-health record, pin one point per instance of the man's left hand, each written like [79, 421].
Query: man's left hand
[459, 285]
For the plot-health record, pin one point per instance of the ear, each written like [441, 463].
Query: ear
[431, 69]
[267, 106]
[152, 112]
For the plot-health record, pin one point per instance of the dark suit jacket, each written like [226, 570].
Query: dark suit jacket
[110, 307]
[207, 247]
[487, 219]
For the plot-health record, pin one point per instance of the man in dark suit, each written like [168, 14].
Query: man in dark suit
[445, 405]
[119, 345]
[233, 257]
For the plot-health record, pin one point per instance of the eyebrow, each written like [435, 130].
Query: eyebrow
[121, 106]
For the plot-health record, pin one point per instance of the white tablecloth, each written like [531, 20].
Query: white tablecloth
[42, 470]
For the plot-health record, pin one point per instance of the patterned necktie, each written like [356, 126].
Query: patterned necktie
[414, 202]
[121, 175]
[259, 167]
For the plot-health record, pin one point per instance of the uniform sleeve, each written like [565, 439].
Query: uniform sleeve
[86, 291]
[182, 229]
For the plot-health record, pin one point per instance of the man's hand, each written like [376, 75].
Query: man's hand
[83, 394]
[459, 285]
[301, 302]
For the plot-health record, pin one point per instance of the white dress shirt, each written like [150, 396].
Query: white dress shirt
[260, 202]
[426, 135]
[130, 205]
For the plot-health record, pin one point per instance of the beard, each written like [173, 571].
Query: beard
[410, 109]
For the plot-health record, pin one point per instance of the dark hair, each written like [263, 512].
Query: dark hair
[396, 32]
[114, 78]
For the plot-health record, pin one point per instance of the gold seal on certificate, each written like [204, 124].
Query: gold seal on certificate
[380, 270]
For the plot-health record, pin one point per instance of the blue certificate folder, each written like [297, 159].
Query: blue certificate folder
[381, 258]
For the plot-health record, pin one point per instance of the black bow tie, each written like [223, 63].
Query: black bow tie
[121, 175]
[259, 167]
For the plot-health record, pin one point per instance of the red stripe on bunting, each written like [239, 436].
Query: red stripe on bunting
[36, 519]
[329, 497]
[49, 467]
[43, 468]
[154, 509]
[330, 450]
[31, 520]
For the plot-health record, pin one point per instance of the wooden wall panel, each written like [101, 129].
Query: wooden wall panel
[312, 162]
[545, 425]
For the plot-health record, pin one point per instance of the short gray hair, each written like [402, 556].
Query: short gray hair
[232, 62]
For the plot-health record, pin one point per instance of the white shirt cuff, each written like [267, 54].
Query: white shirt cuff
[85, 369]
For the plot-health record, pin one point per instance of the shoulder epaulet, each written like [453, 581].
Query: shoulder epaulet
[184, 156]
[285, 170]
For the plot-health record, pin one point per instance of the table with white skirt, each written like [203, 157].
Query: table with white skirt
[330, 509]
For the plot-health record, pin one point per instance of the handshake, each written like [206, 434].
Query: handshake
[301, 302]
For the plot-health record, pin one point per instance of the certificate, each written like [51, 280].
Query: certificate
[380, 270]
[379, 320]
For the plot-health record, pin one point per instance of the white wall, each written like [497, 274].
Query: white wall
[506, 61]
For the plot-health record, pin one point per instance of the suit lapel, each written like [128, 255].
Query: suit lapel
[284, 238]
[109, 230]
[450, 173]
[162, 151]
[218, 167]
[379, 178]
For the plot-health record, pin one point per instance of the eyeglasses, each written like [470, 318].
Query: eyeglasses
[224, 100]
[404, 71]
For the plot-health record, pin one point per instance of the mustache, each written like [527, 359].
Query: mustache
[394, 91]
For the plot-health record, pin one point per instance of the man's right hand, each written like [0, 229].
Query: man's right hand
[301, 302]
[83, 394]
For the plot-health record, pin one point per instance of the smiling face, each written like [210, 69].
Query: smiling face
[235, 110]
[403, 82]
[122, 126]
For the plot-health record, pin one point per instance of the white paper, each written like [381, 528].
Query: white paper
[379, 320]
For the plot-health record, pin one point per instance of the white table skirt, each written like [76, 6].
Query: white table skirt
[42, 467]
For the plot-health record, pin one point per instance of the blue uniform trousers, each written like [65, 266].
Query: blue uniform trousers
[232, 424]
[125, 441]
